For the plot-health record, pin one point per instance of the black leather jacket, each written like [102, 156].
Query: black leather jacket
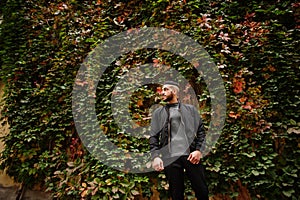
[160, 135]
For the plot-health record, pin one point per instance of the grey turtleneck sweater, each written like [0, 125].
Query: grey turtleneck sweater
[179, 141]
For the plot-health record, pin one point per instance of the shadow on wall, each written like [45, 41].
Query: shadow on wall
[5, 180]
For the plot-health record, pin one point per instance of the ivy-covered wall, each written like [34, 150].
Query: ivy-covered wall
[5, 180]
[255, 45]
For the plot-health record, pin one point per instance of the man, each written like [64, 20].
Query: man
[176, 140]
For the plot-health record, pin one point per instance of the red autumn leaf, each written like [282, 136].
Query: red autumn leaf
[271, 68]
[120, 19]
[249, 15]
[238, 86]
[243, 99]
[248, 106]
[156, 62]
[234, 115]
[195, 64]
[140, 102]
[159, 90]
[224, 36]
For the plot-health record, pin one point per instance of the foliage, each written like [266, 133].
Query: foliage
[255, 45]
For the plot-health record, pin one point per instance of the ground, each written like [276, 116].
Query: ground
[12, 193]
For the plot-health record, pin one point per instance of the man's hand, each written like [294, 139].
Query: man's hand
[195, 157]
[158, 164]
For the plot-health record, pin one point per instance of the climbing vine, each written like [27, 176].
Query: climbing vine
[254, 44]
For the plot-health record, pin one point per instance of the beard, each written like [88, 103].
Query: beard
[168, 98]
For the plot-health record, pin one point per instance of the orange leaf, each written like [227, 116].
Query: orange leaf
[243, 99]
[159, 90]
[234, 115]
[238, 87]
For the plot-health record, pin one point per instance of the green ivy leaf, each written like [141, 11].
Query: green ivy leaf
[288, 193]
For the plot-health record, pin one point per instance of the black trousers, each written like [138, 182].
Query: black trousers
[195, 173]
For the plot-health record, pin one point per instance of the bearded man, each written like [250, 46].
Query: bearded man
[177, 140]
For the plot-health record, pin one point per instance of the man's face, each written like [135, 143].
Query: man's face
[167, 93]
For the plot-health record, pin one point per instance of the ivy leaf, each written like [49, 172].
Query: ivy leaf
[249, 155]
[293, 122]
[135, 192]
[288, 193]
[255, 173]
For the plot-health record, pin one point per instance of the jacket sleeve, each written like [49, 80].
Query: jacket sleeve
[200, 135]
[154, 136]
